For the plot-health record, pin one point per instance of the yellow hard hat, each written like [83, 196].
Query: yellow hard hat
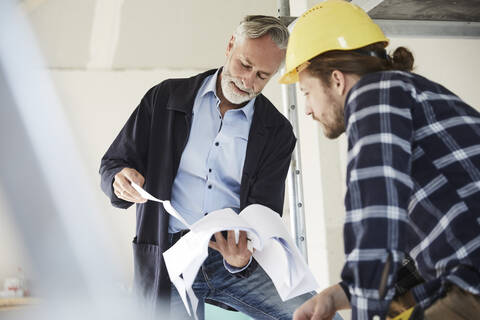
[330, 25]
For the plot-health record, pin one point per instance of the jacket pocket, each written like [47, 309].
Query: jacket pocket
[146, 262]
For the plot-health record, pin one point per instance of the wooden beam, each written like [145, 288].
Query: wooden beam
[367, 5]
[105, 33]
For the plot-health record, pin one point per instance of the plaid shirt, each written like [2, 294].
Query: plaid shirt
[413, 186]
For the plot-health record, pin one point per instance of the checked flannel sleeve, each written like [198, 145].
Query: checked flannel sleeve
[379, 131]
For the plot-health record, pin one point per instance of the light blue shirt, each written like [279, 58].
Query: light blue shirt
[211, 166]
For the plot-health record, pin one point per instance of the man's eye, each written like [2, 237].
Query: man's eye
[261, 77]
[245, 66]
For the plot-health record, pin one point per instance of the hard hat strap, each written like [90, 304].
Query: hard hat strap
[381, 54]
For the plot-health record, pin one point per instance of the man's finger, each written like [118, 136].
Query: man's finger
[122, 183]
[127, 195]
[301, 314]
[214, 246]
[231, 238]
[138, 199]
[220, 240]
[134, 176]
[116, 188]
[118, 182]
[135, 196]
[129, 175]
[127, 187]
[124, 194]
[242, 240]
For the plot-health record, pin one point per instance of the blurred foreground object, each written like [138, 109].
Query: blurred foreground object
[45, 187]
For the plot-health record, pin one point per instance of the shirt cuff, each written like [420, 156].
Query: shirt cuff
[364, 308]
[233, 269]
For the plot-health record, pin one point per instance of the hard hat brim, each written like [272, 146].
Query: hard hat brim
[289, 77]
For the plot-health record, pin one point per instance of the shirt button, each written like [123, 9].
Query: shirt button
[209, 170]
[205, 213]
[216, 143]
[210, 186]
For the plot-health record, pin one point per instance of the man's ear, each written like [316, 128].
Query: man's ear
[339, 82]
[230, 45]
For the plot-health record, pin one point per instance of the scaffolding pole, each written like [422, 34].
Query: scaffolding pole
[294, 178]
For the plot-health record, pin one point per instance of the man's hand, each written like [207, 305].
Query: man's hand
[236, 255]
[123, 188]
[324, 305]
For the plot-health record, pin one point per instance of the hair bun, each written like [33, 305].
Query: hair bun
[402, 59]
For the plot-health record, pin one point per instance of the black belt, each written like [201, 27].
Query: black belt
[177, 235]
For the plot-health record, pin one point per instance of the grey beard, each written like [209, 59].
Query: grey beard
[229, 92]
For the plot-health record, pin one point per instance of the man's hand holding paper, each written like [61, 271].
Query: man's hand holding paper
[234, 252]
[123, 185]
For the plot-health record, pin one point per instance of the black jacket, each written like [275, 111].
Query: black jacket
[152, 142]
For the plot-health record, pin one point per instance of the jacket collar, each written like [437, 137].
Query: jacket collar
[183, 98]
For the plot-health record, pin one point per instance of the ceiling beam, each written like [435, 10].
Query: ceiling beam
[367, 5]
[105, 33]
[431, 29]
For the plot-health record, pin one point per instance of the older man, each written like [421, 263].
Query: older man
[208, 142]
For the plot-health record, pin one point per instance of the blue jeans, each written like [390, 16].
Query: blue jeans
[254, 296]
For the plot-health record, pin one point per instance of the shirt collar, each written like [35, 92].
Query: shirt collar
[248, 109]
[210, 85]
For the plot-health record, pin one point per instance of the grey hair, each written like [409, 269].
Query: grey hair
[256, 26]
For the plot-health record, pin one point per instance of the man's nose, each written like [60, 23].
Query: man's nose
[248, 80]
[308, 110]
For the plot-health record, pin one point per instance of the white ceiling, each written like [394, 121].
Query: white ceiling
[138, 34]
